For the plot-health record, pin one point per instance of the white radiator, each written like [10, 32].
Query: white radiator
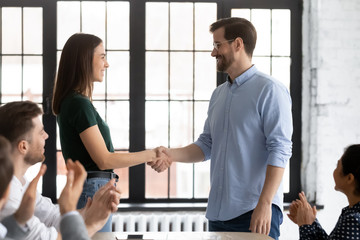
[159, 222]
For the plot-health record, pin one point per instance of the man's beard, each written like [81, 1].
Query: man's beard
[31, 159]
[223, 63]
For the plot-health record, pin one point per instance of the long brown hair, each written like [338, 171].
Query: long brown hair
[75, 68]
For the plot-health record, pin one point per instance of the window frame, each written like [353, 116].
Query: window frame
[137, 87]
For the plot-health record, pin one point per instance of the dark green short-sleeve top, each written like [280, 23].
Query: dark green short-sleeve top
[77, 114]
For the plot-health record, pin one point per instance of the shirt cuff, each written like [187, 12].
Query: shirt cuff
[70, 214]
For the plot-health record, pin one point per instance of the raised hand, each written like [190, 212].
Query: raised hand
[27, 206]
[163, 161]
[306, 214]
[293, 211]
[74, 185]
[97, 210]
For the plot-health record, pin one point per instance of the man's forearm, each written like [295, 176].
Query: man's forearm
[272, 182]
[189, 154]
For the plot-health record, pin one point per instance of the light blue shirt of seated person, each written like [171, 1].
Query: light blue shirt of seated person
[248, 127]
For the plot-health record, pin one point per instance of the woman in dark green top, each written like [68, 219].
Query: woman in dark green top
[84, 136]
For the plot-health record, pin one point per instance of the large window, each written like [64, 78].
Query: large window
[159, 82]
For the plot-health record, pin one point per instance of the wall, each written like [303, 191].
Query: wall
[331, 101]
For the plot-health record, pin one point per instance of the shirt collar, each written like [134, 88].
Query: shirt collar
[356, 208]
[3, 231]
[244, 76]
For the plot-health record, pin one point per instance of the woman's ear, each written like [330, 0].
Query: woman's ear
[350, 178]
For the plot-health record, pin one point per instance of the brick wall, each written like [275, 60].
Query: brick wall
[331, 100]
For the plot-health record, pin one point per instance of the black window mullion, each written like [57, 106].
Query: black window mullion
[49, 120]
[137, 97]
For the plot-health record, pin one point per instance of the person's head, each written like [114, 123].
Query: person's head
[348, 169]
[82, 63]
[20, 123]
[229, 31]
[6, 170]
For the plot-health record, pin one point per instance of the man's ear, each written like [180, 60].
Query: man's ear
[23, 146]
[239, 43]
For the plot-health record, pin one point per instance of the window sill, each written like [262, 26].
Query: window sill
[164, 207]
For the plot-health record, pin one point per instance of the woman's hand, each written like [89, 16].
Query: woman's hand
[301, 211]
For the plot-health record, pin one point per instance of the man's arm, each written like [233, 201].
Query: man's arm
[261, 217]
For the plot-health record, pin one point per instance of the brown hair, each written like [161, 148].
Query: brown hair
[16, 120]
[238, 27]
[6, 165]
[75, 68]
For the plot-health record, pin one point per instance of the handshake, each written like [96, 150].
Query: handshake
[163, 159]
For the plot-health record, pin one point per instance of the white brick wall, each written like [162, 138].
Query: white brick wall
[331, 100]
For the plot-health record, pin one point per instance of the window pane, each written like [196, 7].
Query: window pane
[33, 79]
[205, 14]
[11, 31]
[118, 121]
[117, 25]
[123, 174]
[157, 75]
[205, 75]
[262, 64]
[11, 73]
[156, 184]
[156, 124]
[281, 32]
[118, 75]
[281, 70]
[33, 30]
[202, 179]
[200, 113]
[181, 123]
[243, 13]
[286, 179]
[68, 19]
[99, 89]
[61, 174]
[181, 75]
[181, 26]
[157, 26]
[93, 19]
[181, 180]
[260, 18]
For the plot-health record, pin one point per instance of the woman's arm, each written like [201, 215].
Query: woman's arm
[95, 145]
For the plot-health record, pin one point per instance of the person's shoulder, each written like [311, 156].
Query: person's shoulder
[74, 102]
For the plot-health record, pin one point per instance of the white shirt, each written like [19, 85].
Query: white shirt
[3, 231]
[44, 225]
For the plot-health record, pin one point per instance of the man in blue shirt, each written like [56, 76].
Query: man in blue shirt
[247, 135]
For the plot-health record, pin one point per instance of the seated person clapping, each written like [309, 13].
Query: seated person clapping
[347, 181]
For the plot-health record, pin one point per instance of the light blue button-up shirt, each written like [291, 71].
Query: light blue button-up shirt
[248, 127]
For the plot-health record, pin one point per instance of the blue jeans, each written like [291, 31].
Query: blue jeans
[242, 223]
[91, 185]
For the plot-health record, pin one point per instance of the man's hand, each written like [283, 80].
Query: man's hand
[261, 219]
[74, 185]
[97, 210]
[27, 206]
[163, 161]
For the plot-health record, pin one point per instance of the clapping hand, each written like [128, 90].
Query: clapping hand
[301, 212]
[27, 206]
[74, 185]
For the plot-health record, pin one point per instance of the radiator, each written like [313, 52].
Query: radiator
[159, 222]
